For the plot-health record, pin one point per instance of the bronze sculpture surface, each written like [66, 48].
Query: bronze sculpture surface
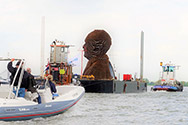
[97, 43]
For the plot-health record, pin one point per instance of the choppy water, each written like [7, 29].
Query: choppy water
[150, 108]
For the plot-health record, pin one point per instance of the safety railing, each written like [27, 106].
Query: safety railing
[22, 67]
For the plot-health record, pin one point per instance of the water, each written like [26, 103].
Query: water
[156, 108]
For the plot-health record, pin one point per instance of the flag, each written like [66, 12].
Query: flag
[47, 67]
[74, 61]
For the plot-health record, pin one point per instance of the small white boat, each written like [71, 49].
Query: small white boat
[23, 108]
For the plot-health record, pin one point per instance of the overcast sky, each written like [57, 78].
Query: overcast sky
[164, 22]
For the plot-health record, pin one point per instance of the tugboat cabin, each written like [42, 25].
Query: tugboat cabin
[58, 65]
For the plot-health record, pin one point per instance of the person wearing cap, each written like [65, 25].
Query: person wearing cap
[13, 70]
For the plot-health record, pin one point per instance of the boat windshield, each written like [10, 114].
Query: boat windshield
[168, 68]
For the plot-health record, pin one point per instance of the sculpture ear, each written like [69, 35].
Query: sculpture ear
[98, 46]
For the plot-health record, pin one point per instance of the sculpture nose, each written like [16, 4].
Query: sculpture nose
[84, 47]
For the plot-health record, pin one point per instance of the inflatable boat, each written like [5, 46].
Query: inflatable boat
[23, 108]
[14, 107]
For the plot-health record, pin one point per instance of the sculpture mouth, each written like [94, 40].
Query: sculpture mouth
[85, 50]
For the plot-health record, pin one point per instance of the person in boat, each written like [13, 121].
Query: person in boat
[31, 87]
[13, 70]
[31, 82]
[52, 86]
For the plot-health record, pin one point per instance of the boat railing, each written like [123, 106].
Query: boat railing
[20, 79]
[8, 59]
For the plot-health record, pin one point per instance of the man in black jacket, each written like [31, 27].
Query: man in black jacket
[31, 87]
[31, 82]
[12, 70]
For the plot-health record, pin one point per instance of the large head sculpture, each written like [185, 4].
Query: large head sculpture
[97, 43]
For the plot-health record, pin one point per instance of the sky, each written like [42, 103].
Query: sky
[164, 23]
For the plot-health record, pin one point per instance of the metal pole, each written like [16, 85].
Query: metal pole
[42, 46]
[54, 51]
[11, 87]
[118, 76]
[8, 59]
[142, 56]
[20, 78]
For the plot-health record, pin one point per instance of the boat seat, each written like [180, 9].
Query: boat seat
[45, 94]
[30, 96]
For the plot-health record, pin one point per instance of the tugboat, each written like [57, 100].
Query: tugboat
[168, 81]
[58, 65]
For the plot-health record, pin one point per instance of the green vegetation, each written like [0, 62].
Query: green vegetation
[145, 80]
[184, 83]
[158, 82]
[151, 83]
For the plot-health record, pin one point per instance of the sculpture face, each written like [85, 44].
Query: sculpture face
[97, 43]
[88, 50]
